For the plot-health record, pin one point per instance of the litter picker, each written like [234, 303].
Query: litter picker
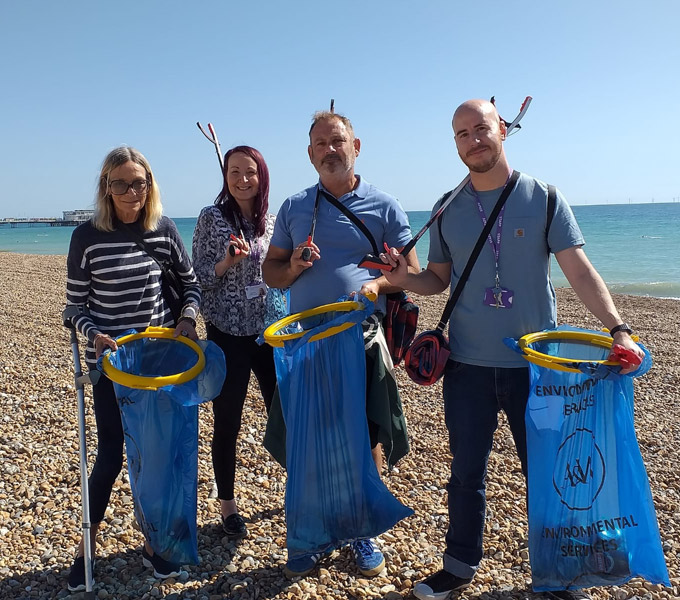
[92, 377]
[307, 251]
[212, 138]
[372, 261]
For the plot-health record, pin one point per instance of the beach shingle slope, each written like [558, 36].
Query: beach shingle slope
[40, 487]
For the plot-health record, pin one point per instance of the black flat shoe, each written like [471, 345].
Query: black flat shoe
[234, 526]
[76, 578]
[162, 569]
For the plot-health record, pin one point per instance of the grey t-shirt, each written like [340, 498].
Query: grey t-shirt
[476, 331]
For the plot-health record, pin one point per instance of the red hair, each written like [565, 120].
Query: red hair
[261, 205]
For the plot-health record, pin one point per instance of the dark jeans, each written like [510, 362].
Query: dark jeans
[109, 459]
[243, 354]
[473, 396]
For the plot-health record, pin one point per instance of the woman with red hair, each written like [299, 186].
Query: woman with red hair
[230, 243]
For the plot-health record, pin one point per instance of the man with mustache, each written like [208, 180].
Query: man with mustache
[508, 294]
[331, 269]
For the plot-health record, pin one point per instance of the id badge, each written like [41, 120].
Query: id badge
[256, 290]
[498, 297]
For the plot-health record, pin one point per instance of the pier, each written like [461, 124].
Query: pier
[40, 223]
[70, 218]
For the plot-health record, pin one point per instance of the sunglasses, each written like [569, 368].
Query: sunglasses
[120, 187]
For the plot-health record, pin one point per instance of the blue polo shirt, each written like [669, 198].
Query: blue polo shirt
[476, 331]
[341, 243]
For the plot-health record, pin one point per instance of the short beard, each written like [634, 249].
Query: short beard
[482, 167]
[336, 166]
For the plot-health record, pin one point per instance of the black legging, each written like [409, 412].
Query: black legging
[109, 459]
[243, 354]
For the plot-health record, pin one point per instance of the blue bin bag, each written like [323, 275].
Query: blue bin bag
[591, 515]
[334, 494]
[275, 306]
[161, 439]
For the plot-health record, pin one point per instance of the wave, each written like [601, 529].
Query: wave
[656, 289]
[669, 290]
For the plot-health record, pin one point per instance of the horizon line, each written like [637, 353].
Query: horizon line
[2, 219]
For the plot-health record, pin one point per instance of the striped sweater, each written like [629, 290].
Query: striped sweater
[119, 284]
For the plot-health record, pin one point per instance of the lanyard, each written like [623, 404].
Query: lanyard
[495, 245]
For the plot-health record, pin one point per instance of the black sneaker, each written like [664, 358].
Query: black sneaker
[234, 526]
[439, 586]
[76, 578]
[162, 569]
[568, 595]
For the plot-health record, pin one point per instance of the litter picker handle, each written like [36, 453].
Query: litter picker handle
[406, 249]
[217, 145]
[307, 251]
[233, 250]
[80, 380]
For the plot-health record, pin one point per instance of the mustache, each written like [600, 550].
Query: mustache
[330, 158]
[477, 149]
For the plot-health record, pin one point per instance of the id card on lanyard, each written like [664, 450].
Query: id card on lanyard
[495, 296]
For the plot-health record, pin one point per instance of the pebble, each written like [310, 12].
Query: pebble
[40, 481]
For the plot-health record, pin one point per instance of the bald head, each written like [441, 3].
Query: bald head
[482, 108]
[479, 133]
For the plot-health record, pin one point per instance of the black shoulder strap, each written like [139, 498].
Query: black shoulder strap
[448, 309]
[352, 217]
[141, 242]
[550, 209]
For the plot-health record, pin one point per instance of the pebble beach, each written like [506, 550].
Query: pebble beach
[40, 508]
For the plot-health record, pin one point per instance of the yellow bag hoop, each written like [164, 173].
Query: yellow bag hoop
[277, 341]
[141, 382]
[557, 362]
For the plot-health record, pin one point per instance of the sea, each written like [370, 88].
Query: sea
[635, 247]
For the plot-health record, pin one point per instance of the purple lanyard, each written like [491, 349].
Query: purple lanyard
[495, 246]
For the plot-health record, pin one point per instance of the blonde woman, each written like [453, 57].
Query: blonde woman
[116, 284]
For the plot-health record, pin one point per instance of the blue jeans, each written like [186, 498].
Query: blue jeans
[473, 396]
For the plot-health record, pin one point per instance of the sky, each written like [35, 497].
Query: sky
[79, 78]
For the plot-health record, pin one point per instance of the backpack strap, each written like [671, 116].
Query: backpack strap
[550, 211]
[440, 218]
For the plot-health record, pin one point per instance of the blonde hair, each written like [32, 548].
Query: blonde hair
[103, 209]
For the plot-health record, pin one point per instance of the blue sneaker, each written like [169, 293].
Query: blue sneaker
[370, 561]
[302, 565]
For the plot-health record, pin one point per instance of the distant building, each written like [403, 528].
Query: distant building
[77, 215]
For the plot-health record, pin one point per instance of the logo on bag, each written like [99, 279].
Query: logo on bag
[579, 471]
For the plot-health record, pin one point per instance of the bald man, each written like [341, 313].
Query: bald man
[508, 294]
